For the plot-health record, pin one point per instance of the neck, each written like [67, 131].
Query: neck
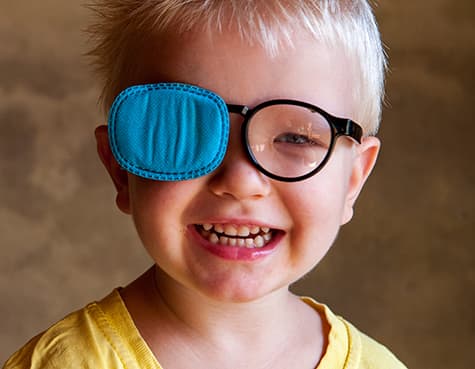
[211, 318]
[172, 317]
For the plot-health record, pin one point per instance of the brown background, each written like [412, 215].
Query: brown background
[403, 270]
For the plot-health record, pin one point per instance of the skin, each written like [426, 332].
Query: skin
[222, 313]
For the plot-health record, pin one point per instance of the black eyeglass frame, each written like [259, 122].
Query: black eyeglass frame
[339, 127]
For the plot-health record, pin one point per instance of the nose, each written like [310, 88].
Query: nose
[237, 177]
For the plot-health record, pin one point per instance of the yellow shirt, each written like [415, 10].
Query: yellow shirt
[103, 335]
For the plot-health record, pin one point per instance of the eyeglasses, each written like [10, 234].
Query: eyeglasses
[291, 140]
[174, 131]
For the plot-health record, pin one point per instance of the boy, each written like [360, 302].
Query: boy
[239, 144]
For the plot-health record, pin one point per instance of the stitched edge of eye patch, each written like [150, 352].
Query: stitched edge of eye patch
[174, 175]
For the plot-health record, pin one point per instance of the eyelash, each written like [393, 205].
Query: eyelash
[304, 140]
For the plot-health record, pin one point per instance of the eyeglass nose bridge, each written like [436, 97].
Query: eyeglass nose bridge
[242, 110]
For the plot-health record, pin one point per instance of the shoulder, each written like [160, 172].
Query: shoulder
[368, 353]
[80, 340]
[61, 345]
[349, 348]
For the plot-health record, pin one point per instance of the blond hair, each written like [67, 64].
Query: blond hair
[122, 27]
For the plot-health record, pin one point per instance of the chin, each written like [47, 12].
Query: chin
[239, 290]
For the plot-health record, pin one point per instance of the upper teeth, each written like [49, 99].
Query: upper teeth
[237, 235]
[236, 230]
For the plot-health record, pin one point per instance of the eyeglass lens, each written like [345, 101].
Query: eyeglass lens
[289, 140]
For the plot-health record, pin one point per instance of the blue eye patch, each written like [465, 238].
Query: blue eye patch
[168, 131]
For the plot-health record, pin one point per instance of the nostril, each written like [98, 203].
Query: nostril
[239, 180]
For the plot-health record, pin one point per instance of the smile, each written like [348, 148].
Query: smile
[241, 236]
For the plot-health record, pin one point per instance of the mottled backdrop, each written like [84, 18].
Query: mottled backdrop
[403, 270]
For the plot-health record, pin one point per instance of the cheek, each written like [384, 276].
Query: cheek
[157, 210]
[319, 203]
[317, 219]
[316, 210]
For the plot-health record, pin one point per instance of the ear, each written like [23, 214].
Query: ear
[363, 163]
[117, 174]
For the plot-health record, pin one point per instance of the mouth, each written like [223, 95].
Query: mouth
[238, 236]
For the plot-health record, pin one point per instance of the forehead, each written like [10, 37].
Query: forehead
[244, 73]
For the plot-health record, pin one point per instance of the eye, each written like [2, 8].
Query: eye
[295, 139]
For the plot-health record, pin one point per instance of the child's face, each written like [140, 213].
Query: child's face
[305, 216]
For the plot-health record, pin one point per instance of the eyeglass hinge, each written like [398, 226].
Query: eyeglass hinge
[348, 127]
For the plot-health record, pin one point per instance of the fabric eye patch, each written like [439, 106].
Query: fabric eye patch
[168, 131]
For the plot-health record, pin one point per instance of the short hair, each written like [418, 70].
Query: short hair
[122, 25]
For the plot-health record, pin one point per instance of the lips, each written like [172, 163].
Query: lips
[237, 242]
[234, 235]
